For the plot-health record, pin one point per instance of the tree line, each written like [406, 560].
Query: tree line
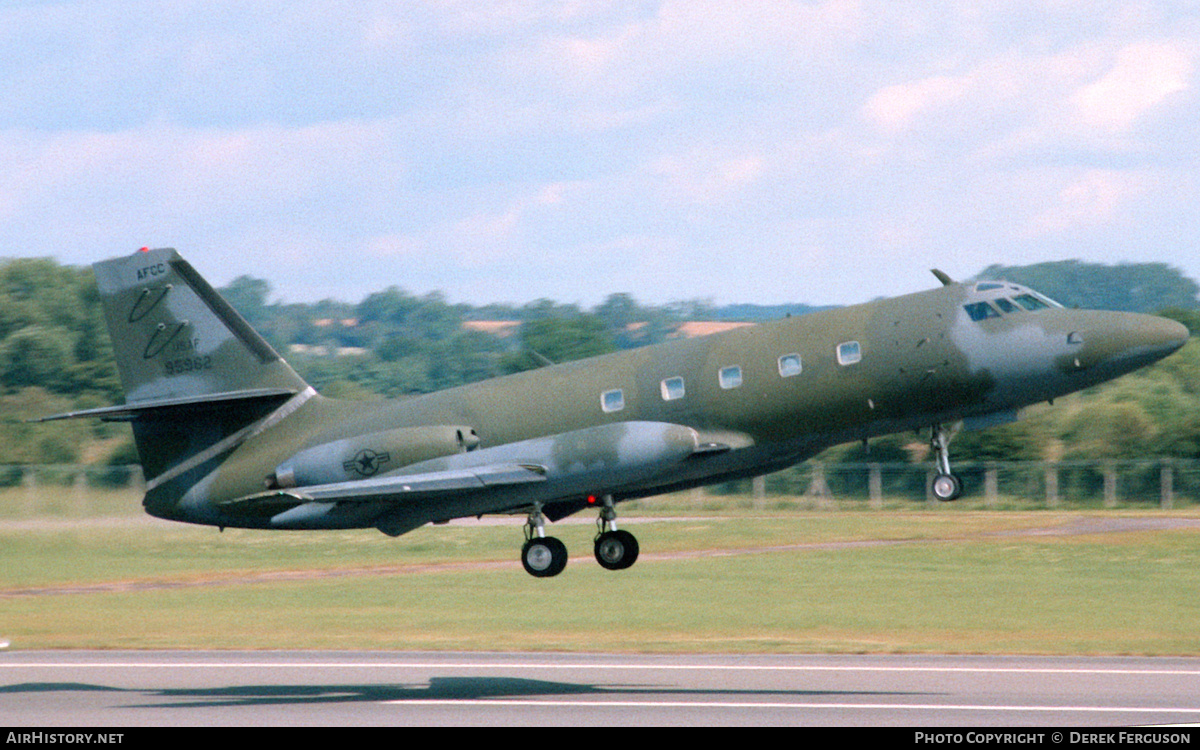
[55, 356]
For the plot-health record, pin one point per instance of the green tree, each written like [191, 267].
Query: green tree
[1130, 287]
[1190, 318]
[1110, 430]
[248, 296]
[1023, 440]
[560, 340]
[632, 325]
[35, 356]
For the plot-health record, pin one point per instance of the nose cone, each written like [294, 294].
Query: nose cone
[1118, 343]
[1165, 334]
[1149, 337]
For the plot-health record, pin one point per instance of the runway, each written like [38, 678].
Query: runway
[43, 690]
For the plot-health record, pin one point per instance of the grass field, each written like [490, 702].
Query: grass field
[709, 581]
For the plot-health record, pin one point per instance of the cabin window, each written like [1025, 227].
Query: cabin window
[614, 400]
[730, 377]
[980, 311]
[790, 365]
[849, 353]
[672, 389]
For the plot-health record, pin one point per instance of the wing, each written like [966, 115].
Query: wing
[404, 488]
[393, 504]
[557, 471]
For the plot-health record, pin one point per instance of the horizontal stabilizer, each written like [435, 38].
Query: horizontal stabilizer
[130, 411]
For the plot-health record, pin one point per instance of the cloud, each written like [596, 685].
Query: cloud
[524, 146]
[1143, 77]
[896, 108]
[1093, 198]
[153, 184]
[706, 178]
[476, 239]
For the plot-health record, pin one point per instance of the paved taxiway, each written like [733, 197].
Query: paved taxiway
[125, 689]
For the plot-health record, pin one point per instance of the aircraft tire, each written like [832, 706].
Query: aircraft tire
[947, 487]
[616, 550]
[544, 557]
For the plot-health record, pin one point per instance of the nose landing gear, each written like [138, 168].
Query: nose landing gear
[946, 486]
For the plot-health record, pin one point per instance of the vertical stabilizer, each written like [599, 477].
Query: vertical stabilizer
[196, 376]
[175, 337]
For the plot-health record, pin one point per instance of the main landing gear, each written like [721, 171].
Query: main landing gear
[545, 556]
[615, 549]
[946, 486]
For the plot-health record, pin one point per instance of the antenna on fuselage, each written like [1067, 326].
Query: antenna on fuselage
[942, 277]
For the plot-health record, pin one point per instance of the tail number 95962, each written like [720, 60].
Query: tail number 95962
[184, 365]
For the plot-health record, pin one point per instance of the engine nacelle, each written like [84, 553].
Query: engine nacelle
[364, 456]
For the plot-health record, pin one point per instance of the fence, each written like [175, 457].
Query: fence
[32, 491]
[28, 491]
[1163, 483]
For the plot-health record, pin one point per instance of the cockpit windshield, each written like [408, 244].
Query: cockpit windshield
[995, 299]
[1031, 302]
[980, 311]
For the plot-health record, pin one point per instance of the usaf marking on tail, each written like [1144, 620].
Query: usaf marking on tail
[230, 435]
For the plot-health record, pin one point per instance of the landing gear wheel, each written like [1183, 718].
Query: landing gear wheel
[544, 557]
[616, 550]
[946, 487]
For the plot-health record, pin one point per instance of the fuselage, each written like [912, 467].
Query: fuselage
[693, 411]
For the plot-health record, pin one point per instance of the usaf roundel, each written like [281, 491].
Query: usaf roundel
[366, 463]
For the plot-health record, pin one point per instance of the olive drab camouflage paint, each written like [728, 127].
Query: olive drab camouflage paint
[230, 435]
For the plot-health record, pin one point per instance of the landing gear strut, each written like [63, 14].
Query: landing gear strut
[543, 556]
[615, 549]
[946, 486]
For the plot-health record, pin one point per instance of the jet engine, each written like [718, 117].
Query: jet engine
[372, 454]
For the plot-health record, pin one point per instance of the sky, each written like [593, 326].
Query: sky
[512, 150]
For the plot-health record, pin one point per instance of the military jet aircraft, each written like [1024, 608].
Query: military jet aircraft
[229, 435]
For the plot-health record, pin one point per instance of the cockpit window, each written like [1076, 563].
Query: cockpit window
[1031, 303]
[980, 311]
[1006, 306]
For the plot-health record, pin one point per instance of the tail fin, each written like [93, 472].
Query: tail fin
[175, 338]
[196, 375]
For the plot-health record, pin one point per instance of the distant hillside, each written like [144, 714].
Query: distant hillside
[1128, 287]
[759, 313]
